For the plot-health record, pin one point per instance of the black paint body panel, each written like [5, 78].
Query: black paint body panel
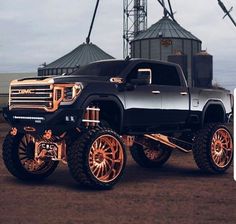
[142, 108]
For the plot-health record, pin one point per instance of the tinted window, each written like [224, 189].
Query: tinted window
[165, 75]
[134, 74]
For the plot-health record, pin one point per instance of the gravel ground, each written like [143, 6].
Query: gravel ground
[176, 193]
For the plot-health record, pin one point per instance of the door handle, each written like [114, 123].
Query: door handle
[183, 93]
[156, 92]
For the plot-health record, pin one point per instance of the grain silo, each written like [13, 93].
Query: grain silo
[82, 55]
[181, 59]
[202, 68]
[164, 38]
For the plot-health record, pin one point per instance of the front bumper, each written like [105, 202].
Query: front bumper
[36, 121]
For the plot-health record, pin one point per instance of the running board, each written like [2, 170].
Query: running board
[166, 141]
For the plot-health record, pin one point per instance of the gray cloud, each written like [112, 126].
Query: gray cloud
[33, 32]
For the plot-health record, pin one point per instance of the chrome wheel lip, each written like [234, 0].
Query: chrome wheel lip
[221, 148]
[112, 159]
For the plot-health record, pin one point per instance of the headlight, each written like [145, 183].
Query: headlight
[66, 93]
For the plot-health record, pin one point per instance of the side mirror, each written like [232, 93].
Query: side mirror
[144, 77]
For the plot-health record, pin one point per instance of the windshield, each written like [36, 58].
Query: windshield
[105, 68]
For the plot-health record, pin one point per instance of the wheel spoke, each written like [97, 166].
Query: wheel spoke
[21, 149]
[25, 147]
[108, 158]
[108, 165]
[24, 157]
[95, 169]
[103, 169]
[106, 151]
[221, 148]
[23, 143]
[22, 153]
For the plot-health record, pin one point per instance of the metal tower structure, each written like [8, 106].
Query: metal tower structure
[167, 12]
[134, 21]
[226, 11]
[91, 26]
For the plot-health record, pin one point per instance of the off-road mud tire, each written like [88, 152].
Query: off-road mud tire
[78, 159]
[138, 154]
[202, 149]
[12, 162]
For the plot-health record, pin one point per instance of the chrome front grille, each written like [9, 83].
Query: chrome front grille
[31, 96]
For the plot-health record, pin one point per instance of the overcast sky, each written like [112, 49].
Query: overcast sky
[37, 31]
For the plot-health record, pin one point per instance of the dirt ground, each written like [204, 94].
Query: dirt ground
[176, 193]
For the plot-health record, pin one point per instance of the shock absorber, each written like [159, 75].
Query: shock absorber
[92, 116]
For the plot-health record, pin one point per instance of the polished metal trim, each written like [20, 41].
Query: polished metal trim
[165, 140]
[117, 80]
[183, 93]
[146, 70]
[31, 101]
[28, 118]
[52, 102]
[30, 98]
[91, 121]
[156, 92]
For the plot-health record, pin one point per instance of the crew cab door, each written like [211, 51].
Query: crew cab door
[143, 103]
[174, 92]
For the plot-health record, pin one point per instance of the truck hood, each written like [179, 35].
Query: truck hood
[73, 79]
[63, 79]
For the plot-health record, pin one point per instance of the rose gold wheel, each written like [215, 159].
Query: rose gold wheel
[221, 148]
[26, 154]
[213, 148]
[152, 154]
[97, 158]
[18, 156]
[106, 158]
[150, 157]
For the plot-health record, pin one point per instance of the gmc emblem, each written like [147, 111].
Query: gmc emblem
[25, 91]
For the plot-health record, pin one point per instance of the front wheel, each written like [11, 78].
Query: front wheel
[213, 148]
[97, 158]
[18, 156]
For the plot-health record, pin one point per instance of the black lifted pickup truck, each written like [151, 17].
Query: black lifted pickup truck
[88, 118]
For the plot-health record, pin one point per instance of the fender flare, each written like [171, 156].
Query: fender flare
[210, 103]
[105, 98]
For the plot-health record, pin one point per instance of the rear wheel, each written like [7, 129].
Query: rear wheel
[150, 157]
[97, 158]
[18, 156]
[213, 148]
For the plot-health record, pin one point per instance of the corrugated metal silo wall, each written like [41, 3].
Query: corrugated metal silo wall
[160, 49]
[54, 71]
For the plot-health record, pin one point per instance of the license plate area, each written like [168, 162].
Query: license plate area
[49, 150]
[48, 146]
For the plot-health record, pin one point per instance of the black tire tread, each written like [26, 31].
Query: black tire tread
[13, 164]
[77, 160]
[201, 149]
[137, 153]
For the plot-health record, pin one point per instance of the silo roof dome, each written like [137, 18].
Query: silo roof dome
[82, 55]
[166, 28]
